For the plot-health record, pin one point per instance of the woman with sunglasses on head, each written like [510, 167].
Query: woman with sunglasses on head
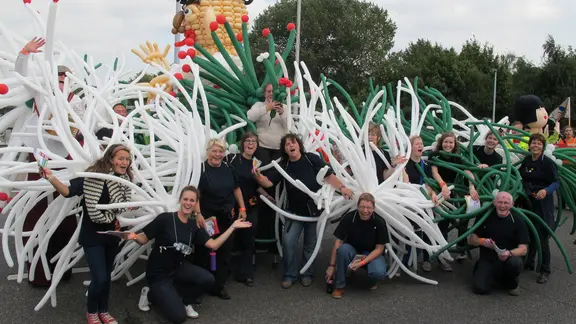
[99, 249]
[243, 165]
[175, 283]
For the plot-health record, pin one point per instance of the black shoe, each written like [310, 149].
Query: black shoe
[222, 294]
[543, 278]
[249, 282]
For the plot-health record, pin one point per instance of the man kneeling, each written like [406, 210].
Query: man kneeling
[360, 239]
[503, 241]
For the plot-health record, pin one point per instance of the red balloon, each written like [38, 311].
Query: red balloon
[191, 52]
[214, 26]
[265, 32]
[186, 68]
[239, 37]
[245, 18]
[3, 196]
[290, 26]
[189, 41]
[172, 93]
[27, 1]
[178, 76]
[3, 89]
[181, 55]
[221, 19]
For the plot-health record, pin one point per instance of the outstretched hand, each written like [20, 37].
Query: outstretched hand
[45, 173]
[34, 45]
[239, 223]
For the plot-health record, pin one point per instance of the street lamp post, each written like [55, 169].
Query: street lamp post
[494, 98]
[298, 15]
[176, 38]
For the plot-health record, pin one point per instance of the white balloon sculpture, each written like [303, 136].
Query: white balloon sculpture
[174, 156]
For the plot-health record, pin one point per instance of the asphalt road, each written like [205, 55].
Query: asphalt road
[399, 300]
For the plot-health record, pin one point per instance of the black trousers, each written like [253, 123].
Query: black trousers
[545, 209]
[223, 256]
[487, 273]
[266, 215]
[172, 293]
[443, 225]
[245, 244]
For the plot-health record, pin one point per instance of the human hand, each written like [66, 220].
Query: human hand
[200, 221]
[504, 256]
[399, 160]
[487, 243]
[483, 166]
[242, 214]
[356, 265]
[434, 198]
[34, 45]
[541, 194]
[269, 105]
[347, 193]
[329, 273]
[474, 194]
[45, 173]
[445, 192]
[279, 108]
[239, 223]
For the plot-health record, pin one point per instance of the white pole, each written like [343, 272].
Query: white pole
[176, 37]
[569, 113]
[298, 14]
[494, 99]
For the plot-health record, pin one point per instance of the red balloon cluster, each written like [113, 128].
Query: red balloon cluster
[285, 82]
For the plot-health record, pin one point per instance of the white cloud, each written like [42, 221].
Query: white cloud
[109, 28]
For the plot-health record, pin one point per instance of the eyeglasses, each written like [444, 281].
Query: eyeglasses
[61, 73]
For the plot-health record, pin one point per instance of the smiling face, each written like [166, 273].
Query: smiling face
[536, 147]
[215, 155]
[250, 145]
[365, 209]
[188, 202]
[374, 137]
[503, 203]
[448, 144]
[417, 148]
[491, 141]
[121, 162]
[292, 148]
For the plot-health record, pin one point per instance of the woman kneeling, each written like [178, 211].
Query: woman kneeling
[175, 283]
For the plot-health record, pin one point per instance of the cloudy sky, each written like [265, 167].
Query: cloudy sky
[109, 28]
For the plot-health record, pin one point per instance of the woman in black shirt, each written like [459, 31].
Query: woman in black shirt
[100, 250]
[174, 282]
[540, 180]
[243, 165]
[382, 171]
[220, 191]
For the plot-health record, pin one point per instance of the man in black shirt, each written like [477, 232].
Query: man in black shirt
[503, 240]
[360, 239]
[486, 154]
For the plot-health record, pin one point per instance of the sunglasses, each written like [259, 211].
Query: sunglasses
[61, 73]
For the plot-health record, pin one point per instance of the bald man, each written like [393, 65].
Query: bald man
[503, 240]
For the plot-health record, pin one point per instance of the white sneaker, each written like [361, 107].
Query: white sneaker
[190, 312]
[143, 303]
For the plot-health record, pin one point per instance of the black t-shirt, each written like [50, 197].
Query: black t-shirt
[242, 168]
[217, 191]
[414, 176]
[507, 233]
[104, 132]
[362, 235]
[448, 175]
[168, 229]
[88, 229]
[489, 159]
[304, 170]
[380, 165]
[539, 174]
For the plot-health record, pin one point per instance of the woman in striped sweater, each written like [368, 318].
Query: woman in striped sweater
[100, 250]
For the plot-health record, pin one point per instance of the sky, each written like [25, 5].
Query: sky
[109, 28]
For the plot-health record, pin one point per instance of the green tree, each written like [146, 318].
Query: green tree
[346, 40]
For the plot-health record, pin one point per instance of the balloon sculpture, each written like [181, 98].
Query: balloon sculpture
[204, 98]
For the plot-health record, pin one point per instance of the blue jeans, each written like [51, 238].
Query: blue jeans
[345, 254]
[292, 231]
[100, 260]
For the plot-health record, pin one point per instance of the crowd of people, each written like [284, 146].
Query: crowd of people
[192, 249]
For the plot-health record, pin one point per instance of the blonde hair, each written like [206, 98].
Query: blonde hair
[216, 142]
[413, 138]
